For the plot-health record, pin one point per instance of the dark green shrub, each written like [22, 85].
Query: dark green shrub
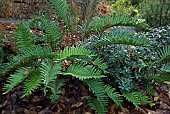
[134, 64]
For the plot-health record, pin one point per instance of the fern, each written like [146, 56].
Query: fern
[121, 37]
[48, 73]
[166, 68]
[97, 87]
[98, 23]
[100, 64]
[61, 8]
[32, 82]
[115, 96]
[137, 98]
[74, 51]
[25, 39]
[52, 31]
[16, 78]
[29, 54]
[55, 89]
[83, 72]
[95, 105]
[163, 54]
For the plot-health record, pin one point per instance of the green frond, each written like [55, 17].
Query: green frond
[95, 105]
[161, 77]
[100, 64]
[83, 71]
[121, 37]
[115, 96]
[166, 68]
[29, 54]
[97, 87]
[98, 23]
[52, 31]
[61, 8]
[49, 71]
[74, 51]
[25, 39]
[164, 54]
[32, 82]
[137, 98]
[16, 78]
[56, 89]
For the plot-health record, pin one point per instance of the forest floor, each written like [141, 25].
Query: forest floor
[74, 97]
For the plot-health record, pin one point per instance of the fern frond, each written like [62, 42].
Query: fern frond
[74, 51]
[49, 72]
[61, 8]
[115, 96]
[137, 98]
[164, 54]
[121, 37]
[32, 82]
[52, 31]
[56, 89]
[83, 71]
[16, 78]
[166, 68]
[97, 87]
[100, 64]
[161, 77]
[29, 54]
[95, 105]
[99, 24]
[25, 39]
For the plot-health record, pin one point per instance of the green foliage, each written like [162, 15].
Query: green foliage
[115, 96]
[49, 73]
[15, 79]
[32, 82]
[136, 98]
[101, 23]
[97, 87]
[156, 12]
[121, 37]
[74, 51]
[83, 71]
[164, 53]
[25, 39]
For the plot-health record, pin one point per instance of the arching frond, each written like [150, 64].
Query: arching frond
[95, 105]
[121, 37]
[25, 39]
[32, 82]
[164, 54]
[137, 98]
[61, 8]
[52, 31]
[49, 72]
[100, 64]
[166, 68]
[56, 89]
[115, 96]
[97, 87]
[98, 23]
[82, 71]
[16, 78]
[29, 54]
[74, 51]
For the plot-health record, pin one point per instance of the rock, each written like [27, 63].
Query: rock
[45, 111]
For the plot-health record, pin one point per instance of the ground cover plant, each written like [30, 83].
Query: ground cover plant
[116, 64]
